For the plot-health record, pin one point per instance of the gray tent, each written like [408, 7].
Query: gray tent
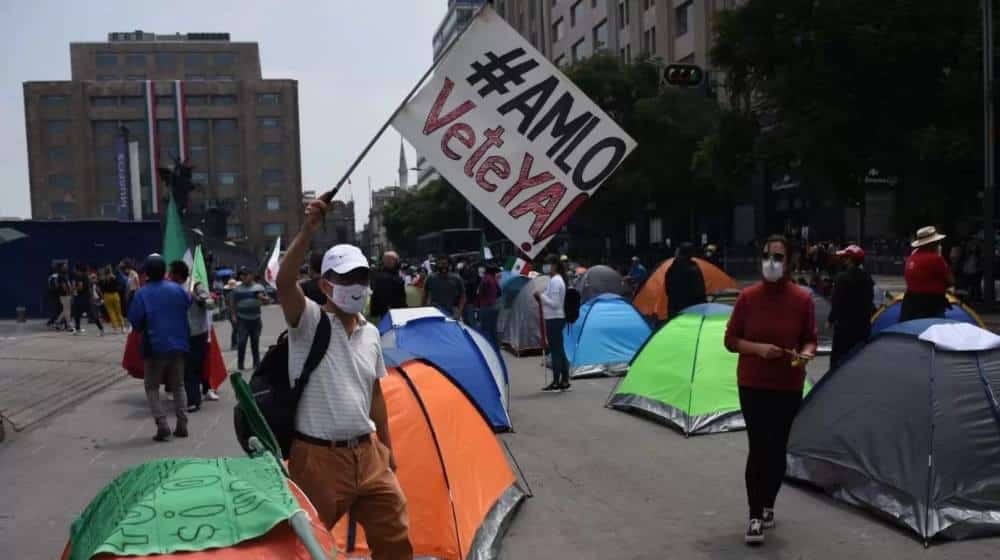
[599, 280]
[520, 325]
[909, 428]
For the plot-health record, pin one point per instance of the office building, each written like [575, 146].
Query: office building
[339, 224]
[194, 96]
[378, 237]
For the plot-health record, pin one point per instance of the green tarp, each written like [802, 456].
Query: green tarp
[174, 505]
[684, 376]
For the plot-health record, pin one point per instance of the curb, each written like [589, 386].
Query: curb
[32, 415]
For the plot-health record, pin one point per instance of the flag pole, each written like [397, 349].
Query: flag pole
[328, 196]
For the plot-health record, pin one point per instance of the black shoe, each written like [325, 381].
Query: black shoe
[181, 430]
[551, 387]
[768, 518]
[162, 433]
[194, 408]
[564, 387]
[755, 532]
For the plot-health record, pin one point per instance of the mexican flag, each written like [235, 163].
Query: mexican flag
[214, 367]
[520, 266]
[174, 240]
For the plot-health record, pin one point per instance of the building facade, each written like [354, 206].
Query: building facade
[339, 224]
[197, 97]
[378, 241]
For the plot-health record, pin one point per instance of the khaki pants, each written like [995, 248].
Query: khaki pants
[340, 479]
[169, 369]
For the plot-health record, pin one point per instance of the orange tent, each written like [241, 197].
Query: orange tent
[460, 490]
[280, 543]
[652, 298]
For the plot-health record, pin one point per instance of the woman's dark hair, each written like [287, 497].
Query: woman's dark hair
[777, 238]
[179, 270]
[557, 264]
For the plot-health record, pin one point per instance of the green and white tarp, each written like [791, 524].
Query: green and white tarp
[177, 505]
[684, 377]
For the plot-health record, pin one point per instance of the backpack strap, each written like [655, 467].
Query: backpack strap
[320, 344]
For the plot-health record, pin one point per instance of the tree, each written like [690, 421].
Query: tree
[414, 213]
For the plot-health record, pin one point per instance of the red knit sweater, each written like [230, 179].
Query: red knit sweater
[781, 314]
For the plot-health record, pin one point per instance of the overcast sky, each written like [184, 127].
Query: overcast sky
[354, 60]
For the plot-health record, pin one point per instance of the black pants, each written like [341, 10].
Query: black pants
[81, 307]
[194, 381]
[248, 330]
[557, 350]
[56, 309]
[922, 306]
[768, 416]
[846, 338]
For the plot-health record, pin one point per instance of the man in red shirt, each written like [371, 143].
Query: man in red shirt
[773, 329]
[928, 277]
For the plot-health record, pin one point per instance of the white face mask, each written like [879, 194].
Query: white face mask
[546, 269]
[350, 298]
[482, 272]
[772, 271]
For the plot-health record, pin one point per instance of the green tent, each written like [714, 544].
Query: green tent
[684, 376]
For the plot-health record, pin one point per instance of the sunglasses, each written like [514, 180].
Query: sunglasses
[776, 257]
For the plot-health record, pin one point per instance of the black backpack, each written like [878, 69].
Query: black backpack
[571, 305]
[276, 399]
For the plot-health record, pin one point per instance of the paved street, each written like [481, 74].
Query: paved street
[607, 484]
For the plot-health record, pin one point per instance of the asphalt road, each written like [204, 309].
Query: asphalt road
[607, 484]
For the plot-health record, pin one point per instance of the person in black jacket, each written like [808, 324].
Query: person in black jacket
[852, 306]
[388, 291]
[684, 283]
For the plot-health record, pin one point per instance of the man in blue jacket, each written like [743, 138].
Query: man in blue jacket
[159, 311]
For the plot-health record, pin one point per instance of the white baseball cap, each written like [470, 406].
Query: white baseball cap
[342, 259]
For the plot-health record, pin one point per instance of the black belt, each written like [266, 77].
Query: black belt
[349, 443]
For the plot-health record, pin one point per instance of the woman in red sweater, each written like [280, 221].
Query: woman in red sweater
[773, 329]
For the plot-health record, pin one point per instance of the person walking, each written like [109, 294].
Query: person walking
[248, 298]
[54, 291]
[65, 282]
[445, 290]
[852, 305]
[159, 310]
[927, 277]
[388, 291]
[637, 274]
[488, 302]
[111, 288]
[195, 384]
[84, 301]
[551, 301]
[227, 297]
[470, 279]
[342, 455]
[773, 329]
[684, 282]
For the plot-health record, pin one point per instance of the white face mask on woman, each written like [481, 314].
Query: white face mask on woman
[350, 298]
[773, 267]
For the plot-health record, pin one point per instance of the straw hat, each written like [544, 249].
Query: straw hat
[927, 235]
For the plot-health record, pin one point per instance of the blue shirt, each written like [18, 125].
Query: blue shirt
[638, 272]
[160, 311]
[246, 300]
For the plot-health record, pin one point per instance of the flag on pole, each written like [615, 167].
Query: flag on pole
[213, 369]
[521, 267]
[271, 275]
[174, 241]
[487, 253]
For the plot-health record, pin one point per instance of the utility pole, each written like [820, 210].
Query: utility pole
[989, 234]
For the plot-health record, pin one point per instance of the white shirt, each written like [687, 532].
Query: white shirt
[336, 403]
[553, 297]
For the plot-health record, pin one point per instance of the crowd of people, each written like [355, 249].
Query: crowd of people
[102, 294]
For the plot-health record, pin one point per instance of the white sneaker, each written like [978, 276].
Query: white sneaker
[78, 332]
[768, 518]
[211, 395]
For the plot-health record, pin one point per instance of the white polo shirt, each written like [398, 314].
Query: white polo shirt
[336, 403]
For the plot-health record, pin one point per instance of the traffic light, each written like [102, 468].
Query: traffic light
[684, 75]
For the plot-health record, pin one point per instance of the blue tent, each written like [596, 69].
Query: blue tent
[608, 334]
[464, 355]
[889, 315]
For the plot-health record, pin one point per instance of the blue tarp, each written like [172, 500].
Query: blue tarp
[475, 367]
[890, 316]
[605, 338]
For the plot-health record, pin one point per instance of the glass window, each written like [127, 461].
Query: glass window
[59, 126]
[601, 36]
[681, 15]
[165, 100]
[54, 100]
[105, 60]
[133, 101]
[137, 129]
[107, 209]
[166, 61]
[574, 11]
[268, 122]
[227, 152]
[223, 100]
[631, 235]
[223, 126]
[106, 77]
[63, 209]
[105, 154]
[199, 178]
[194, 59]
[655, 230]
[226, 178]
[198, 152]
[273, 230]
[136, 60]
[577, 52]
[224, 59]
[197, 126]
[558, 30]
[57, 153]
[621, 14]
[268, 98]
[270, 148]
[235, 231]
[192, 100]
[105, 128]
[61, 180]
[166, 126]
[103, 101]
[224, 77]
[272, 203]
[194, 77]
[272, 176]
[136, 77]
